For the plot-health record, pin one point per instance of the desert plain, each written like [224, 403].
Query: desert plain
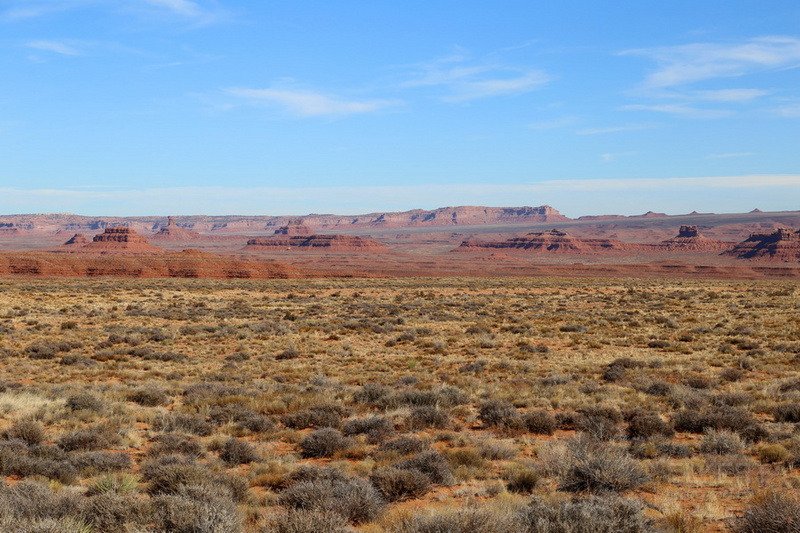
[539, 374]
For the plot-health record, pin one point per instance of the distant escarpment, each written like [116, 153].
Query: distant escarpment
[551, 241]
[780, 245]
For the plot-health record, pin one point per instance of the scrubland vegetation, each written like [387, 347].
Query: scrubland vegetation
[399, 406]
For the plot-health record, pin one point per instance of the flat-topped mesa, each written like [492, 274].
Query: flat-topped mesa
[173, 232]
[783, 244]
[326, 243]
[294, 227]
[122, 240]
[690, 239]
[553, 241]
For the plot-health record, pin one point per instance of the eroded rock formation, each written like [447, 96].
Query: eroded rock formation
[690, 239]
[553, 241]
[327, 243]
[782, 244]
[174, 232]
[121, 239]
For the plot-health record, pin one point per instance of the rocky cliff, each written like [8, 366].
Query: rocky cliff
[780, 245]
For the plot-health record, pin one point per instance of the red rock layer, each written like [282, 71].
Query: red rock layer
[294, 227]
[780, 245]
[187, 264]
[328, 243]
[77, 240]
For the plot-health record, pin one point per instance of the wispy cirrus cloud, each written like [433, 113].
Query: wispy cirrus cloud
[306, 103]
[196, 11]
[615, 129]
[690, 63]
[730, 155]
[681, 110]
[790, 111]
[464, 79]
[611, 157]
[56, 47]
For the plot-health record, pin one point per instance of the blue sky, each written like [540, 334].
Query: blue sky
[140, 107]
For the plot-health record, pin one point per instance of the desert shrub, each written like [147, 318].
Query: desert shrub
[787, 412]
[235, 452]
[468, 457]
[540, 422]
[371, 393]
[697, 382]
[376, 428]
[463, 520]
[149, 397]
[431, 463]
[659, 388]
[172, 443]
[112, 511]
[255, 423]
[405, 445]
[305, 521]
[32, 500]
[721, 442]
[598, 427]
[598, 514]
[84, 402]
[731, 374]
[322, 416]
[396, 484]
[499, 413]
[597, 467]
[27, 430]
[15, 460]
[90, 463]
[770, 512]
[324, 442]
[444, 397]
[497, 450]
[773, 453]
[195, 510]
[522, 480]
[183, 422]
[355, 499]
[428, 417]
[736, 420]
[84, 439]
[168, 474]
[647, 426]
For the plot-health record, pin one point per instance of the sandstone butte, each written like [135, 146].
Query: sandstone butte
[782, 244]
[690, 239]
[120, 240]
[551, 241]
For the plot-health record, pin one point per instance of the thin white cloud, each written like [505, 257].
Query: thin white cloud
[54, 46]
[465, 80]
[611, 157]
[615, 129]
[680, 110]
[180, 7]
[729, 95]
[553, 124]
[311, 104]
[730, 155]
[686, 64]
[790, 111]
[576, 197]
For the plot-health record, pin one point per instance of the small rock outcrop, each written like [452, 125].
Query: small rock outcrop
[77, 240]
[782, 244]
[174, 232]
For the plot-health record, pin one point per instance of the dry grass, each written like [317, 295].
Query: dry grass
[253, 400]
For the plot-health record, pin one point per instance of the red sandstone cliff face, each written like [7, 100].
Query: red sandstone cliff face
[780, 245]
[76, 241]
[116, 240]
[293, 228]
[552, 241]
[326, 243]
